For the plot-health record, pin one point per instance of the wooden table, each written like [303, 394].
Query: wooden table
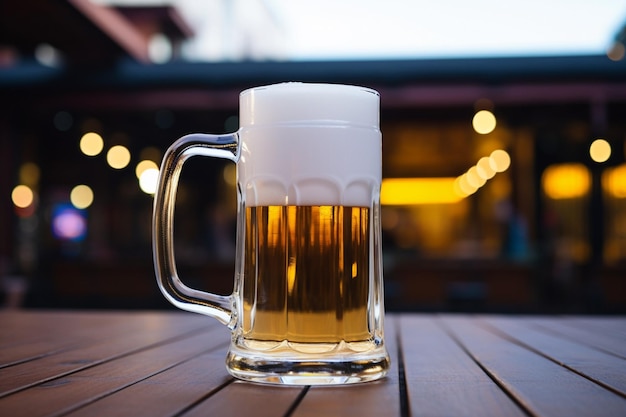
[172, 364]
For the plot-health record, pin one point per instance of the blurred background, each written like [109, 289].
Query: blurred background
[504, 143]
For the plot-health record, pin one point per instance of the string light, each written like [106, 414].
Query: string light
[22, 196]
[484, 122]
[118, 157]
[91, 144]
[81, 196]
[600, 150]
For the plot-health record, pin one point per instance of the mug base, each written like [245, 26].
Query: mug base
[307, 371]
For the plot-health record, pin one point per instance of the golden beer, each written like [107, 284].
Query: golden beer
[306, 274]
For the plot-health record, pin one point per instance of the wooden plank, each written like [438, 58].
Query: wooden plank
[168, 393]
[119, 364]
[248, 399]
[27, 335]
[30, 335]
[442, 379]
[63, 395]
[380, 398]
[606, 369]
[541, 386]
[17, 353]
[614, 343]
[615, 325]
[606, 325]
[97, 344]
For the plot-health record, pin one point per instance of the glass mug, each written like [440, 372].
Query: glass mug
[307, 304]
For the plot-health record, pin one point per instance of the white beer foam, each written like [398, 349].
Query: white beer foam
[310, 144]
[301, 102]
[310, 165]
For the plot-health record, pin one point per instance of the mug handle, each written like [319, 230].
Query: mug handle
[175, 291]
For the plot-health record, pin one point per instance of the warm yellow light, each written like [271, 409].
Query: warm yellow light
[600, 150]
[484, 168]
[29, 174]
[484, 122]
[462, 187]
[566, 181]
[474, 179]
[22, 196]
[614, 181]
[148, 180]
[118, 157]
[91, 144]
[145, 165]
[81, 196]
[499, 160]
[414, 191]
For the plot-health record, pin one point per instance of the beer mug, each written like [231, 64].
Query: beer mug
[307, 303]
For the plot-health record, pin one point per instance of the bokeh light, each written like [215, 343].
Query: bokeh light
[68, 223]
[563, 181]
[616, 52]
[91, 144]
[473, 178]
[81, 196]
[148, 180]
[418, 191]
[231, 124]
[484, 122]
[143, 166]
[614, 181]
[499, 160]
[47, 55]
[462, 186]
[600, 150]
[22, 196]
[484, 168]
[29, 174]
[118, 157]
[63, 121]
[160, 49]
